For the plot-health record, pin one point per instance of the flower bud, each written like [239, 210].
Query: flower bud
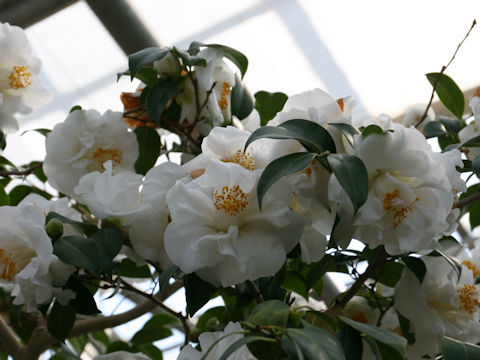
[54, 229]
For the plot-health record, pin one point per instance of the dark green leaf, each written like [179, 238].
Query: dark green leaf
[280, 167]
[456, 350]
[188, 59]
[108, 242]
[474, 214]
[242, 342]
[119, 346]
[148, 148]
[295, 282]
[87, 228]
[197, 292]
[380, 335]
[3, 140]
[154, 329]
[44, 132]
[451, 124]
[405, 327]
[390, 273]
[473, 142]
[128, 268]
[434, 129]
[145, 57]
[241, 100]
[372, 130]
[311, 135]
[269, 104]
[271, 312]
[19, 192]
[448, 92]
[165, 276]
[476, 166]
[78, 251]
[417, 266]
[101, 336]
[151, 351]
[4, 200]
[352, 175]
[316, 343]
[60, 321]
[148, 76]
[212, 318]
[233, 55]
[83, 303]
[351, 342]
[159, 96]
[63, 355]
[74, 108]
[79, 343]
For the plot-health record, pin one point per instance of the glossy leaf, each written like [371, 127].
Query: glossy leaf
[159, 96]
[390, 273]
[456, 350]
[451, 124]
[269, 104]
[154, 329]
[372, 130]
[3, 140]
[60, 321]
[108, 241]
[197, 292]
[243, 342]
[271, 312]
[416, 266]
[145, 57]
[19, 192]
[352, 176]
[148, 148]
[476, 166]
[189, 59]
[78, 251]
[434, 129]
[83, 303]
[4, 200]
[128, 268]
[241, 100]
[311, 135]
[280, 167]
[351, 342]
[448, 92]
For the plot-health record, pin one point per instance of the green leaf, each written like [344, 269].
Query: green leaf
[165, 276]
[456, 350]
[233, 55]
[280, 167]
[79, 343]
[151, 351]
[128, 268]
[372, 130]
[78, 251]
[63, 355]
[390, 273]
[473, 142]
[474, 214]
[3, 140]
[188, 59]
[101, 336]
[87, 228]
[154, 329]
[434, 129]
[60, 321]
[476, 166]
[74, 108]
[269, 104]
[109, 241]
[148, 76]
[381, 336]
[83, 303]
[19, 192]
[316, 343]
[295, 282]
[4, 200]
[212, 317]
[351, 342]
[159, 96]
[148, 148]
[241, 100]
[197, 292]
[271, 312]
[417, 266]
[451, 124]
[242, 342]
[448, 92]
[145, 57]
[352, 175]
[44, 132]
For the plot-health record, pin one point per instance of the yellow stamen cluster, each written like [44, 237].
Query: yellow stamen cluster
[7, 266]
[20, 77]
[341, 104]
[102, 155]
[231, 200]
[223, 101]
[399, 213]
[470, 265]
[240, 158]
[468, 296]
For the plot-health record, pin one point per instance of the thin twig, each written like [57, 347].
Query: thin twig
[255, 291]
[21, 172]
[467, 201]
[8, 341]
[424, 116]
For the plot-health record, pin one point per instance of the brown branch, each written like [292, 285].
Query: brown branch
[8, 340]
[21, 172]
[372, 267]
[467, 201]
[424, 116]
[255, 291]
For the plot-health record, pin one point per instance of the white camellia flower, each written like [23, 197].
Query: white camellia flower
[83, 143]
[20, 87]
[473, 129]
[410, 196]
[231, 334]
[139, 203]
[442, 305]
[122, 355]
[415, 113]
[26, 258]
[218, 231]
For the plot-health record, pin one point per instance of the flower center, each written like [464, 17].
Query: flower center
[341, 104]
[231, 200]
[240, 158]
[12, 262]
[468, 298]
[20, 77]
[226, 90]
[102, 155]
[393, 203]
[470, 265]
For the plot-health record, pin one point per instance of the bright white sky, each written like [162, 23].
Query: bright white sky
[376, 50]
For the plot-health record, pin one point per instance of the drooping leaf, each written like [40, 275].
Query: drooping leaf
[159, 96]
[197, 292]
[154, 329]
[269, 104]
[352, 175]
[280, 167]
[456, 350]
[83, 303]
[417, 266]
[145, 57]
[148, 148]
[60, 321]
[271, 312]
[448, 92]
[241, 100]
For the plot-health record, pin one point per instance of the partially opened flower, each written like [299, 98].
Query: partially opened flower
[83, 143]
[20, 87]
[219, 232]
[210, 343]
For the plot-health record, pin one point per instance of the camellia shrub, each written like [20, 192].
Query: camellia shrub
[266, 201]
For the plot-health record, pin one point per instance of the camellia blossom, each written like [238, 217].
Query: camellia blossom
[20, 87]
[83, 143]
[442, 305]
[473, 129]
[26, 258]
[208, 343]
[218, 231]
[410, 188]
